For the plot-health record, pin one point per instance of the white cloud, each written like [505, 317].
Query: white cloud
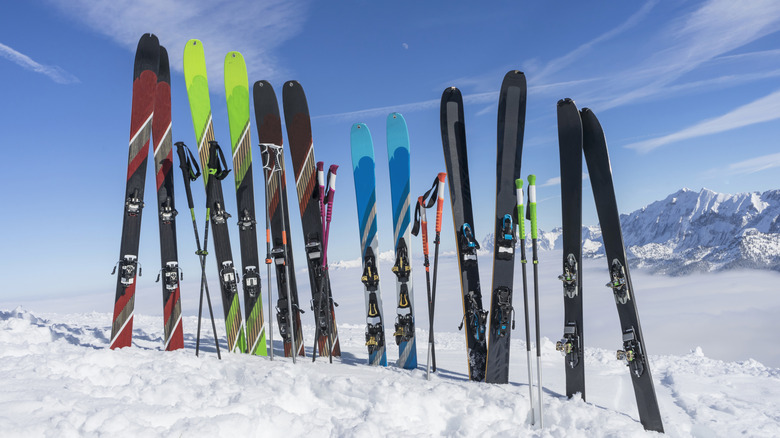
[762, 110]
[254, 28]
[54, 73]
[754, 165]
[405, 46]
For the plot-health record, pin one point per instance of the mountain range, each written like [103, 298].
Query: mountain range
[691, 232]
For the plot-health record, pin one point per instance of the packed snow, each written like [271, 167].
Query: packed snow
[709, 337]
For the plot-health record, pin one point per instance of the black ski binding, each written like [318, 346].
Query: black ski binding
[632, 353]
[618, 283]
[134, 204]
[251, 281]
[219, 216]
[404, 323]
[569, 276]
[468, 244]
[228, 277]
[569, 346]
[375, 334]
[370, 275]
[167, 213]
[505, 241]
[127, 268]
[170, 274]
[282, 318]
[476, 318]
[505, 312]
[245, 222]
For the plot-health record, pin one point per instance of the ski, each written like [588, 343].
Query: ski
[163, 163]
[400, 181]
[634, 351]
[147, 59]
[363, 167]
[453, 133]
[298, 123]
[237, 95]
[269, 132]
[511, 125]
[570, 146]
[214, 170]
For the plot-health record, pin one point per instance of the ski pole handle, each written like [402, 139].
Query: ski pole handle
[440, 202]
[532, 204]
[331, 187]
[520, 208]
[424, 224]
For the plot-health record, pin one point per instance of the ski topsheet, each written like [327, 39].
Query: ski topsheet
[570, 145]
[163, 163]
[298, 123]
[453, 133]
[634, 350]
[363, 166]
[200, 107]
[269, 131]
[147, 59]
[400, 181]
[237, 95]
[511, 125]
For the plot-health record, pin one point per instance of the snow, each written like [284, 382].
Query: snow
[709, 337]
[60, 379]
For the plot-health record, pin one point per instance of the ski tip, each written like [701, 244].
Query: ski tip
[519, 183]
[566, 101]
[234, 57]
[395, 116]
[292, 84]
[194, 42]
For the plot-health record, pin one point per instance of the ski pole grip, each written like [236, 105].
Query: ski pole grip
[532, 204]
[320, 173]
[424, 224]
[332, 176]
[520, 208]
[440, 202]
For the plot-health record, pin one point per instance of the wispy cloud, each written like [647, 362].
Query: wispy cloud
[754, 165]
[54, 73]
[254, 28]
[762, 110]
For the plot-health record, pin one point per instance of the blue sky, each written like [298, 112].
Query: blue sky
[687, 92]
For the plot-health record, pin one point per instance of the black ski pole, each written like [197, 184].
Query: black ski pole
[186, 163]
[439, 207]
[265, 155]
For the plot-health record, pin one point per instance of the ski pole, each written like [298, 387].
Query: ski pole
[439, 208]
[331, 194]
[521, 232]
[267, 174]
[532, 215]
[186, 164]
[293, 338]
[427, 264]
[317, 307]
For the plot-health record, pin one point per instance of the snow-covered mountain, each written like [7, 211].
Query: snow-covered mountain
[692, 232]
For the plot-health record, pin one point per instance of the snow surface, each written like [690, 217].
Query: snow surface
[710, 339]
[60, 379]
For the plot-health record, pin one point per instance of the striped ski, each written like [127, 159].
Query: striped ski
[269, 131]
[163, 163]
[400, 179]
[298, 123]
[200, 107]
[145, 69]
[237, 95]
[363, 166]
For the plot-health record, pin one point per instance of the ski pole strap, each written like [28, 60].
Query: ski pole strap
[532, 204]
[428, 202]
[187, 161]
[520, 208]
[217, 163]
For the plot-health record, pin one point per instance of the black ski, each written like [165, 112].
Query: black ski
[511, 125]
[634, 351]
[453, 134]
[298, 123]
[570, 145]
[269, 132]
